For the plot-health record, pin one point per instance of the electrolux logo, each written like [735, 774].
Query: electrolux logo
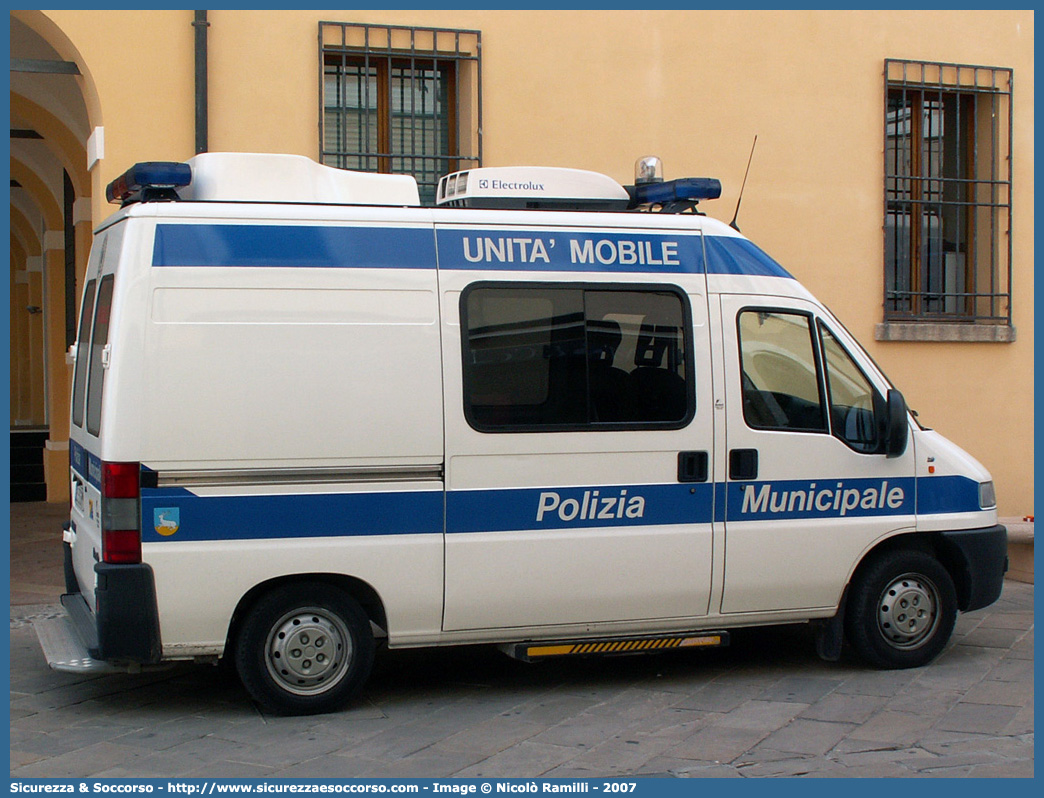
[507, 185]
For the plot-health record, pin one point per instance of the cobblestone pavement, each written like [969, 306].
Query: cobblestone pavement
[766, 706]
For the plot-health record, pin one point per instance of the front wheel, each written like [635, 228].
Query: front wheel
[305, 649]
[901, 610]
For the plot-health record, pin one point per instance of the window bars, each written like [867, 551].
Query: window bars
[400, 99]
[948, 174]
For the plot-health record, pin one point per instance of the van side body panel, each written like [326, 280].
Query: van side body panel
[292, 381]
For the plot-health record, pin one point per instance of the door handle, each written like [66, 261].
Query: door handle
[743, 464]
[693, 466]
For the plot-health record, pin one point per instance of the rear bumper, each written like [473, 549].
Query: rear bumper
[982, 554]
[125, 624]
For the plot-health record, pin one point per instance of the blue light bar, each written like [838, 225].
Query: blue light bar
[151, 180]
[684, 189]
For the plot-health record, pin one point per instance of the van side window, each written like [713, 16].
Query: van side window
[99, 338]
[780, 371]
[851, 397]
[82, 353]
[550, 357]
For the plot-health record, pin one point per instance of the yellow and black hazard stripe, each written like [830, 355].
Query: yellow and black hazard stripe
[534, 651]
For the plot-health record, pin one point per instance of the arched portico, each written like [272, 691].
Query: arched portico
[53, 111]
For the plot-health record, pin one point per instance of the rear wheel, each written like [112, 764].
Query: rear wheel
[304, 649]
[901, 610]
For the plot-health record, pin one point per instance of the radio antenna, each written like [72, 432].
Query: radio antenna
[739, 199]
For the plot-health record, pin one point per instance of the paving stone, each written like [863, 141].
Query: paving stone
[922, 699]
[956, 675]
[569, 770]
[880, 756]
[550, 709]
[622, 755]
[525, 760]
[1012, 694]
[634, 704]
[761, 715]
[1022, 723]
[1022, 769]
[785, 768]
[717, 744]
[993, 637]
[290, 749]
[1010, 620]
[720, 696]
[434, 761]
[946, 743]
[967, 623]
[337, 767]
[74, 737]
[224, 769]
[948, 763]
[667, 767]
[21, 758]
[980, 718]
[1011, 669]
[1023, 649]
[163, 736]
[877, 683]
[800, 689]
[491, 736]
[894, 728]
[850, 708]
[674, 723]
[89, 761]
[958, 772]
[881, 770]
[813, 737]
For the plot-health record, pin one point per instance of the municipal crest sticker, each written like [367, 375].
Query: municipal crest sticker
[166, 520]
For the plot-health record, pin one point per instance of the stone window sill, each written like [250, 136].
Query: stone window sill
[942, 332]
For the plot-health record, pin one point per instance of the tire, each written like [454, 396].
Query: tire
[304, 649]
[901, 610]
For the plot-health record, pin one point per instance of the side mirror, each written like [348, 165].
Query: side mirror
[897, 424]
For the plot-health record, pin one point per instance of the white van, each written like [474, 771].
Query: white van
[310, 415]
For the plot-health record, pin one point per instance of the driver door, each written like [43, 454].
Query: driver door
[808, 487]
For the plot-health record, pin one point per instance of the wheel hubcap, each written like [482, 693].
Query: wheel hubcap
[907, 613]
[308, 651]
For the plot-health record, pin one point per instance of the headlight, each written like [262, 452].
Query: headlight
[987, 496]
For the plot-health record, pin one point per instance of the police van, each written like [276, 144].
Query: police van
[551, 413]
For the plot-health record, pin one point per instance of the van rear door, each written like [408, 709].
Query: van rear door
[89, 372]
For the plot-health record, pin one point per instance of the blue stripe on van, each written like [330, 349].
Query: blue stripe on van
[528, 509]
[85, 463]
[340, 247]
[77, 458]
[947, 494]
[740, 256]
[820, 498]
[284, 516]
[291, 515]
[541, 250]
[312, 246]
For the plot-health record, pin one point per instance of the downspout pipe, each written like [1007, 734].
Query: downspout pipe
[200, 24]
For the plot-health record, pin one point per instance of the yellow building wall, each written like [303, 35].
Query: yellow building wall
[596, 90]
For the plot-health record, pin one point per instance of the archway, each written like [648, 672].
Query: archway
[52, 105]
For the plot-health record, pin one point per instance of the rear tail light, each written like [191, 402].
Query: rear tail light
[121, 480]
[121, 513]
